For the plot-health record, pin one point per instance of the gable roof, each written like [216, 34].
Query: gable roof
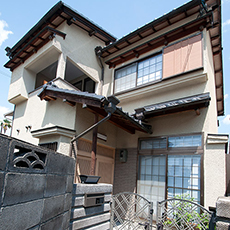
[209, 17]
[45, 30]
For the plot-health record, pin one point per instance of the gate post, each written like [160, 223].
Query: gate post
[112, 213]
[151, 215]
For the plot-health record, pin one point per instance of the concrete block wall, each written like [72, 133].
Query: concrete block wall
[94, 217]
[223, 213]
[35, 187]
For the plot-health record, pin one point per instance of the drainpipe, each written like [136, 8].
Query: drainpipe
[98, 54]
[73, 145]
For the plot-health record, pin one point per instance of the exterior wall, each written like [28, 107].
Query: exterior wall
[41, 114]
[31, 197]
[125, 173]
[228, 174]
[178, 87]
[85, 119]
[79, 47]
[214, 168]
[30, 110]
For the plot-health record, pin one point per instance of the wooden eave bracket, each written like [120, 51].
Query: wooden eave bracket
[71, 103]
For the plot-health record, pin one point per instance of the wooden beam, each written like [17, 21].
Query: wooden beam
[94, 148]
[159, 41]
[197, 112]
[113, 120]
[71, 103]
[73, 98]
[48, 98]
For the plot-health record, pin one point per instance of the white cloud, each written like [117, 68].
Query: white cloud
[226, 120]
[225, 96]
[3, 32]
[227, 22]
[3, 110]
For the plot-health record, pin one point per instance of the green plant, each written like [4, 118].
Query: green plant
[5, 124]
[186, 214]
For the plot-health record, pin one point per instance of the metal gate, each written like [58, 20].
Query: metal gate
[130, 211]
[183, 214]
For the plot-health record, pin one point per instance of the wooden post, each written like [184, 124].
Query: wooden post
[94, 148]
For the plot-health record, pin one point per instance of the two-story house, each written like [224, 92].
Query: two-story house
[157, 134]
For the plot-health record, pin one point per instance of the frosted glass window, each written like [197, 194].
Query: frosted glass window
[184, 176]
[185, 141]
[138, 73]
[125, 78]
[156, 143]
[150, 70]
[154, 189]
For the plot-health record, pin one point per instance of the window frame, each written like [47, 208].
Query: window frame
[162, 70]
[136, 63]
[174, 151]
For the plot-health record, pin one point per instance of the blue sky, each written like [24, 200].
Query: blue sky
[118, 17]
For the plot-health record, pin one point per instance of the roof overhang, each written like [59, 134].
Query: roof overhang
[206, 16]
[46, 29]
[96, 104]
[195, 102]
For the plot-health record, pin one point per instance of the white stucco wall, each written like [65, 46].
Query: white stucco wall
[214, 168]
[41, 114]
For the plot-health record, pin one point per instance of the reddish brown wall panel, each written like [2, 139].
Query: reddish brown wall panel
[182, 56]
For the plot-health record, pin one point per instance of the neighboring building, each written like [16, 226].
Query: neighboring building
[167, 76]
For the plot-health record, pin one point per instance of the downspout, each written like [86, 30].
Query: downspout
[98, 54]
[73, 147]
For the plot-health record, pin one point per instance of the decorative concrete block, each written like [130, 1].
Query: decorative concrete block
[90, 221]
[4, 145]
[82, 212]
[92, 188]
[220, 225]
[23, 187]
[222, 207]
[56, 185]
[60, 164]
[33, 158]
[55, 223]
[21, 216]
[53, 206]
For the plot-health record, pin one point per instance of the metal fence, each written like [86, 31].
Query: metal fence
[183, 214]
[130, 211]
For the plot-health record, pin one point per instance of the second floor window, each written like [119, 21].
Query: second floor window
[177, 58]
[138, 73]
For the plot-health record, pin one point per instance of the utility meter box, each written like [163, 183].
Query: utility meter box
[95, 199]
[123, 155]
